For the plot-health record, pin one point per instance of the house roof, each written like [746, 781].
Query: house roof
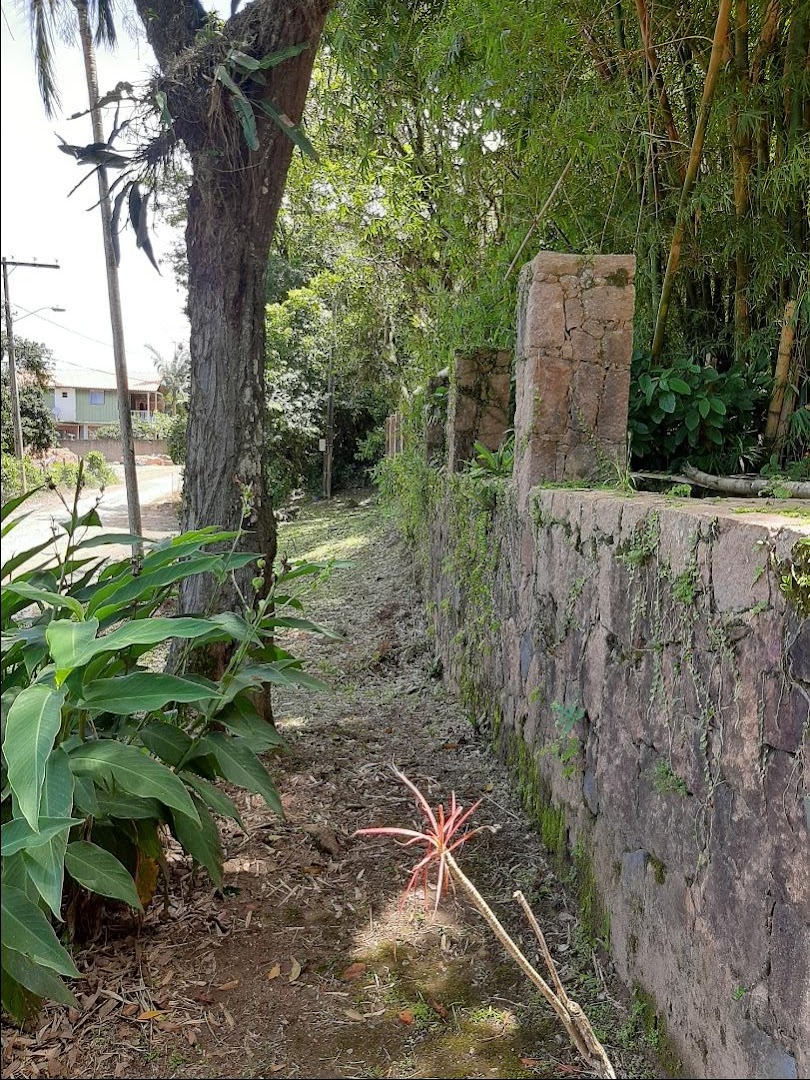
[94, 379]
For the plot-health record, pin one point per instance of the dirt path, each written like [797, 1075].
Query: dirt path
[304, 964]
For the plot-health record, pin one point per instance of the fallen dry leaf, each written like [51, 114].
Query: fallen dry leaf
[130, 1009]
[439, 1008]
[229, 1020]
[406, 1016]
[274, 971]
[353, 1014]
[231, 984]
[354, 971]
[295, 970]
[150, 1014]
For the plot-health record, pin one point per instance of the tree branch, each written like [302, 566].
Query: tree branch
[171, 25]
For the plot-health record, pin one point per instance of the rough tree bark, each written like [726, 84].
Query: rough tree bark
[233, 205]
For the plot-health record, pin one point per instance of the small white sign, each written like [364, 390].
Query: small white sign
[322, 445]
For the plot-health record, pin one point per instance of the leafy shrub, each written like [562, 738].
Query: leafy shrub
[100, 752]
[689, 411]
[490, 463]
[157, 427]
[176, 439]
[407, 486]
[11, 480]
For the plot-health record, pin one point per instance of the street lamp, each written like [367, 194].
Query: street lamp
[54, 307]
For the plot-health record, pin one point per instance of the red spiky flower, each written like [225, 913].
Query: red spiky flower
[441, 837]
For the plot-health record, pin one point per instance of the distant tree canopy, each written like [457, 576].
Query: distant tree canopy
[445, 129]
[33, 365]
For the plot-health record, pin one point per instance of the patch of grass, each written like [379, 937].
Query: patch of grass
[667, 782]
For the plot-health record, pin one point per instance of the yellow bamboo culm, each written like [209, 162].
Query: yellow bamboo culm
[781, 372]
[719, 47]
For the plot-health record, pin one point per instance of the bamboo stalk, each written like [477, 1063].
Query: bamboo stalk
[570, 1013]
[781, 371]
[742, 148]
[663, 97]
[712, 74]
[539, 217]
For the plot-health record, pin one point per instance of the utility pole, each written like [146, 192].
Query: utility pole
[113, 289]
[16, 419]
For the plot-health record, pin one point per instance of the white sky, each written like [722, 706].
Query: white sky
[40, 223]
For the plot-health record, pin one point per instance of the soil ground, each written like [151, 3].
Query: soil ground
[306, 963]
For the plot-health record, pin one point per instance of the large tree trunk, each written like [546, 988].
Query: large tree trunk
[233, 204]
[224, 473]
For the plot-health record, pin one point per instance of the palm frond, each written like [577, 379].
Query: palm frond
[41, 16]
[102, 15]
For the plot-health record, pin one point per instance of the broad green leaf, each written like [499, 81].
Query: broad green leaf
[290, 130]
[202, 840]
[110, 538]
[679, 386]
[133, 771]
[23, 556]
[46, 864]
[33, 723]
[704, 408]
[667, 402]
[241, 766]
[167, 742]
[68, 640]
[718, 405]
[143, 691]
[109, 600]
[241, 718]
[221, 75]
[118, 804]
[39, 980]
[144, 632]
[81, 521]
[247, 118]
[692, 420]
[19, 836]
[10, 505]
[84, 795]
[100, 872]
[26, 925]
[213, 798]
[45, 596]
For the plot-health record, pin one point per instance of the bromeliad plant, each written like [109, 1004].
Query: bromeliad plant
[102, 755]
[441, 837]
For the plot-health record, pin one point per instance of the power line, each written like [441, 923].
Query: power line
[69, 329]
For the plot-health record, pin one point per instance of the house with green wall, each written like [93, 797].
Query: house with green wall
[82, 400]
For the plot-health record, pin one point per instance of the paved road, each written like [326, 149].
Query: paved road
[156, 484]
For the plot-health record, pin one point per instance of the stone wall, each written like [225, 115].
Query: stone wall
[636, 660]
[574, 347]
[111, 448]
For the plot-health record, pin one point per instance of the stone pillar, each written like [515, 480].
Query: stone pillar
[574, 347]
[478, 405]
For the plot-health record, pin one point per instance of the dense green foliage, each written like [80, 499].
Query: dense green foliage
[156, 427]
[96, 473]
[38, 427]
[101, 749]
[446, 127]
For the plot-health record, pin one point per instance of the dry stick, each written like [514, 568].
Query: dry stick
[715, 65]
[781, 372]
[539, 217]
[544, 950]
[571, 1015]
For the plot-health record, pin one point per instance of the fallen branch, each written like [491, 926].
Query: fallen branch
[746, 486]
